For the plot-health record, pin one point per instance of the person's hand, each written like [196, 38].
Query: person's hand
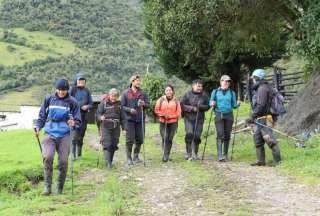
[166, 116]
[133, 111]
[195, 109]
[102, 118]
[85, 107]
[71, 123]
[36, 132]
[238, 103]
[141, 103]
[213, 104]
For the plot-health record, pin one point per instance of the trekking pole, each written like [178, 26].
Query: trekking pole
[72, 155]
[142, 125]
[100, 144]
[205, 143]
[194, 132]
[234, 135]
[37, 136]
[280, 132]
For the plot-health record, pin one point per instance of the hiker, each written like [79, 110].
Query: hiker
[222, 101]
[261, 103]
[111, 118]
[59, 112]
[82, 94]
[168, 109]
[194, 104]
[133, 102]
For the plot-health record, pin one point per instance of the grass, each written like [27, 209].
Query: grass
[12, 101]
[38, 45]
[98, 193]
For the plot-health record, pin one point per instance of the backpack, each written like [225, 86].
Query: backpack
[277, 103]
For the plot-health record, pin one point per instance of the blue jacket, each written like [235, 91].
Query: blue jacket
[54, 114]
[225, 102]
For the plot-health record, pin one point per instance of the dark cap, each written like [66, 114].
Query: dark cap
[62, 84]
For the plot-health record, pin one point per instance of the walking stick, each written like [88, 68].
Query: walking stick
[194, 133]
[100, 144]
[72, 155]
[37, 136]
[142, 125]
[205, 143]
[234, 135]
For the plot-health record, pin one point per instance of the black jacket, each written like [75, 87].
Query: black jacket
[111, 111]
[261, 100]
[192, 99]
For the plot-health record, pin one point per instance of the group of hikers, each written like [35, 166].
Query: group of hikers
[63, 117]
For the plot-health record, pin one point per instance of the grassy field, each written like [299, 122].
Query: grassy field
[36, 45]
[11, 101]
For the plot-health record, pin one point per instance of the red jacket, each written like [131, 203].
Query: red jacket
[171, 109]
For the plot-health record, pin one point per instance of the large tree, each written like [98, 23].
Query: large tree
[207, 38]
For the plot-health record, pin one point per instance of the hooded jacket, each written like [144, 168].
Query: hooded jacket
[81, 94]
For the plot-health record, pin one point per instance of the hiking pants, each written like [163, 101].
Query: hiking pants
[167, 132]
[264, 135]
[79, 134]
[62, 146]
[134, 135]
[110, 136]
[223, 123]
[193, 131]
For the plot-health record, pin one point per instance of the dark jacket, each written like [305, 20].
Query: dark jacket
[129, 100]
[81, 94]
[192, 99]
[54, 114]
[112, 112]
[261, 100]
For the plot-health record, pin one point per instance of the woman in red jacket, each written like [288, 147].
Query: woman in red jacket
[168, 109]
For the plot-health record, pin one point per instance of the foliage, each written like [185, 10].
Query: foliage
[207, 38]
[110, 32]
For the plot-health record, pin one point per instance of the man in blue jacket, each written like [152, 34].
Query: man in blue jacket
[133, 102]
[59, 112]
[82, 94]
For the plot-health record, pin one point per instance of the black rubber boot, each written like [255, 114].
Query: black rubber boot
[225, 149]
[108, 157]
[60, 183]
[196, 150]
[129, 151]
[261, 160]
[188, 151]
[219, 150]
[47, 184]
[79, 149]
[136, 158]
[74, 150]
[276, 155]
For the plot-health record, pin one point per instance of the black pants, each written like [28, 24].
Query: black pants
[223, 122]
[134, 135]
[167, 132]
[110, 136]
[77, 141]
[193, 131]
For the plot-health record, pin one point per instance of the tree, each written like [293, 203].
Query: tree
[207, 38]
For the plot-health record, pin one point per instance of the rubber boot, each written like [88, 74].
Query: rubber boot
[74, 150]
[196, 150]
[276, 155]
[79, 149]
[61, 179]
[136, 158]
[225, 149]
[188, 151]
[108, 157]
[219, 150]
[261, 160]
[129, 151]
[47, 183]
[167, 150]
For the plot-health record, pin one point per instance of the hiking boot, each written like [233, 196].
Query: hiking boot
[258, 163]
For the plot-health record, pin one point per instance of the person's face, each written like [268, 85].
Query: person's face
[113, 98]
[136, 83]
[61, 93]
[168, 92]
[197, 87]
[225, 84]
[81, 82]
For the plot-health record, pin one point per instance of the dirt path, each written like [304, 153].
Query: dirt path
[227, 189]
